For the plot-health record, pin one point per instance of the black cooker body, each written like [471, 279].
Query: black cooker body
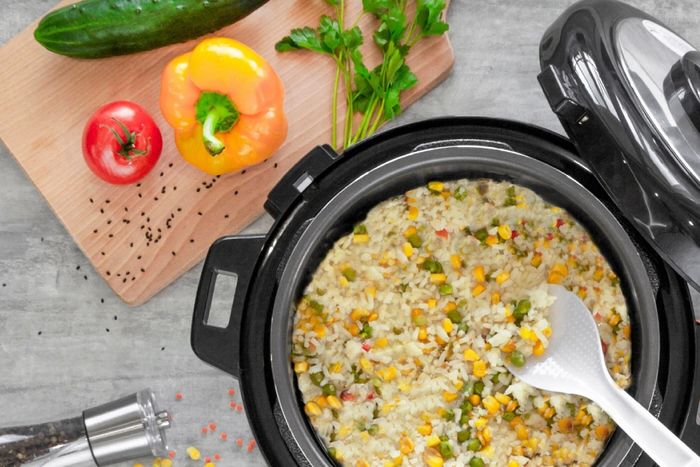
[243, 347]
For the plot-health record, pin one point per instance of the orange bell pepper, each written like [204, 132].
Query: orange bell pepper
[225, 103]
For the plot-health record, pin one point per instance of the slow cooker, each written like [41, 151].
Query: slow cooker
[627, 91]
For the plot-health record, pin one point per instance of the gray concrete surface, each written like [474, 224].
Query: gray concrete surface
[66, 342]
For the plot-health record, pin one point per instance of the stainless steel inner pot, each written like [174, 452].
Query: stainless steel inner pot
[450, 160]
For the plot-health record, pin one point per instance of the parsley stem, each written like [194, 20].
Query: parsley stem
[349, 111]
[334, 105]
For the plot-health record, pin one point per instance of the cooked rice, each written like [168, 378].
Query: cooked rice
[401, 336]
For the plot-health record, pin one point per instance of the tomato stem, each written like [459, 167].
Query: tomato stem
[127, 149]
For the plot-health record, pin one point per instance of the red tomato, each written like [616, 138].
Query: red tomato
[121, 142]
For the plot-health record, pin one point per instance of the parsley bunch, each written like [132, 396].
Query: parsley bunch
[375, 93]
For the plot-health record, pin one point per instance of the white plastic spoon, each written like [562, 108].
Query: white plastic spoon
[573, 363]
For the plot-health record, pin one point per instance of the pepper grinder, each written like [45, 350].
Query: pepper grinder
[121, 430]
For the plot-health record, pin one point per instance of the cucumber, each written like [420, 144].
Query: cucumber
[104, 28]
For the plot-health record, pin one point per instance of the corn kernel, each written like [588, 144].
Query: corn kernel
[487, 435]
[512, 463]
[538, 349]
[598, 274]
[373, 317]
[362, 463]
[436, 186]
[491, 404]
[371, 291]
[475, 399]
[511, 406]
[335, 368]
[353, 329]
[614, 319]
[478, 290]
[366, 364]
[398, 461]
[504, 231]
[334, 402]
[508, 347]
[565, 425]
[422, 334]
[536, 260]
[479, 274]
[470, 355]
[549, 412]
[626, 331]
[209, 464]
[404, 387]
[413, 213]
[502, 398]
[602, 432]
[358, 313]
[343, 281]
[561, 268]
[193, 453]
[438, 278]
[321, 401]
[456, 262]
[406, 445]
[495, 298]
[522, 432]
[480, 423]
[320, 330]
[491, 240]
[301, 367]
[407, 250]
[449, 396]
[433, 440]
[451, 306]
[311, 408]
[410, 231]
[360, 238]
[432, 303]
[447, 325]
[526, 333]
[547, 331]
[459, 384]
[381, 342]
[502, 277]
[434, 460]
[425, 429]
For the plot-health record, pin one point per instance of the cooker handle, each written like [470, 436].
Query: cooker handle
[237, 256]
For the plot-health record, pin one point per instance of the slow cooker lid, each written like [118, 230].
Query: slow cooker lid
[627, 91]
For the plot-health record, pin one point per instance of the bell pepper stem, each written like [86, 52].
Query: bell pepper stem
[212, 143]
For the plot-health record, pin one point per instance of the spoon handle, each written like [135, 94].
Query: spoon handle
[664, 447]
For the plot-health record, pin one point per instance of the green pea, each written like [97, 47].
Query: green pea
[474, 444]
[464, 327]
[432, 265]
[332, 452]
[316, 378]
[366, 331]
[396, 330]
[466, 406]
[376, 382]
[460, 193]
[446, 449]
[464, 419]
[511, 191]
[317, 307]
[415, 240]
[444, 438]
[478, 387]
[373, 429]
[445, 289]
[360, 229]
[420, 320]
[463, 435]
[522, 308]
[481, 234]
[476, 462]
[454, 316]
[517, 358]
[328, 389]
[508, 416]
[350, 274]
[449, 415]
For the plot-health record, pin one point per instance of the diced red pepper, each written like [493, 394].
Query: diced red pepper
[366, 347]
[442, 233]
[370, 396]
[596, 316]
[560, 222]
[549, 236]
[346, 396]
[514, 234]
[605, 347]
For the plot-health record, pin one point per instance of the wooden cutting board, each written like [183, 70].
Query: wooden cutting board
[142, 237]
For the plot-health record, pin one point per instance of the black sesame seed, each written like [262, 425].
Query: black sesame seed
[162, 348]
[198, 190]
[94, 231]
[243, 172]
[85, 277]
[131, 245]
[140, 195]
[91, 200]
[155, 198]
[174, 254]
[170, 165]
[41, 239]
[109, 221]
[77, 268]
[235, 193]
[109, 273]
[179, 209]
[110, 235]
[107, 201]
[199, 213]
[126, 209]
[115, 317]
[143, 213]
[119, 274]
[102, 253]
[38, 333]
[127, 273]
[191, 240]
[102, 211]
[102, 300]
[138, 185]
[107, 329]
[174, 188]
[275, 166]
[138, 257]
[226, 216]
[143, 270]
